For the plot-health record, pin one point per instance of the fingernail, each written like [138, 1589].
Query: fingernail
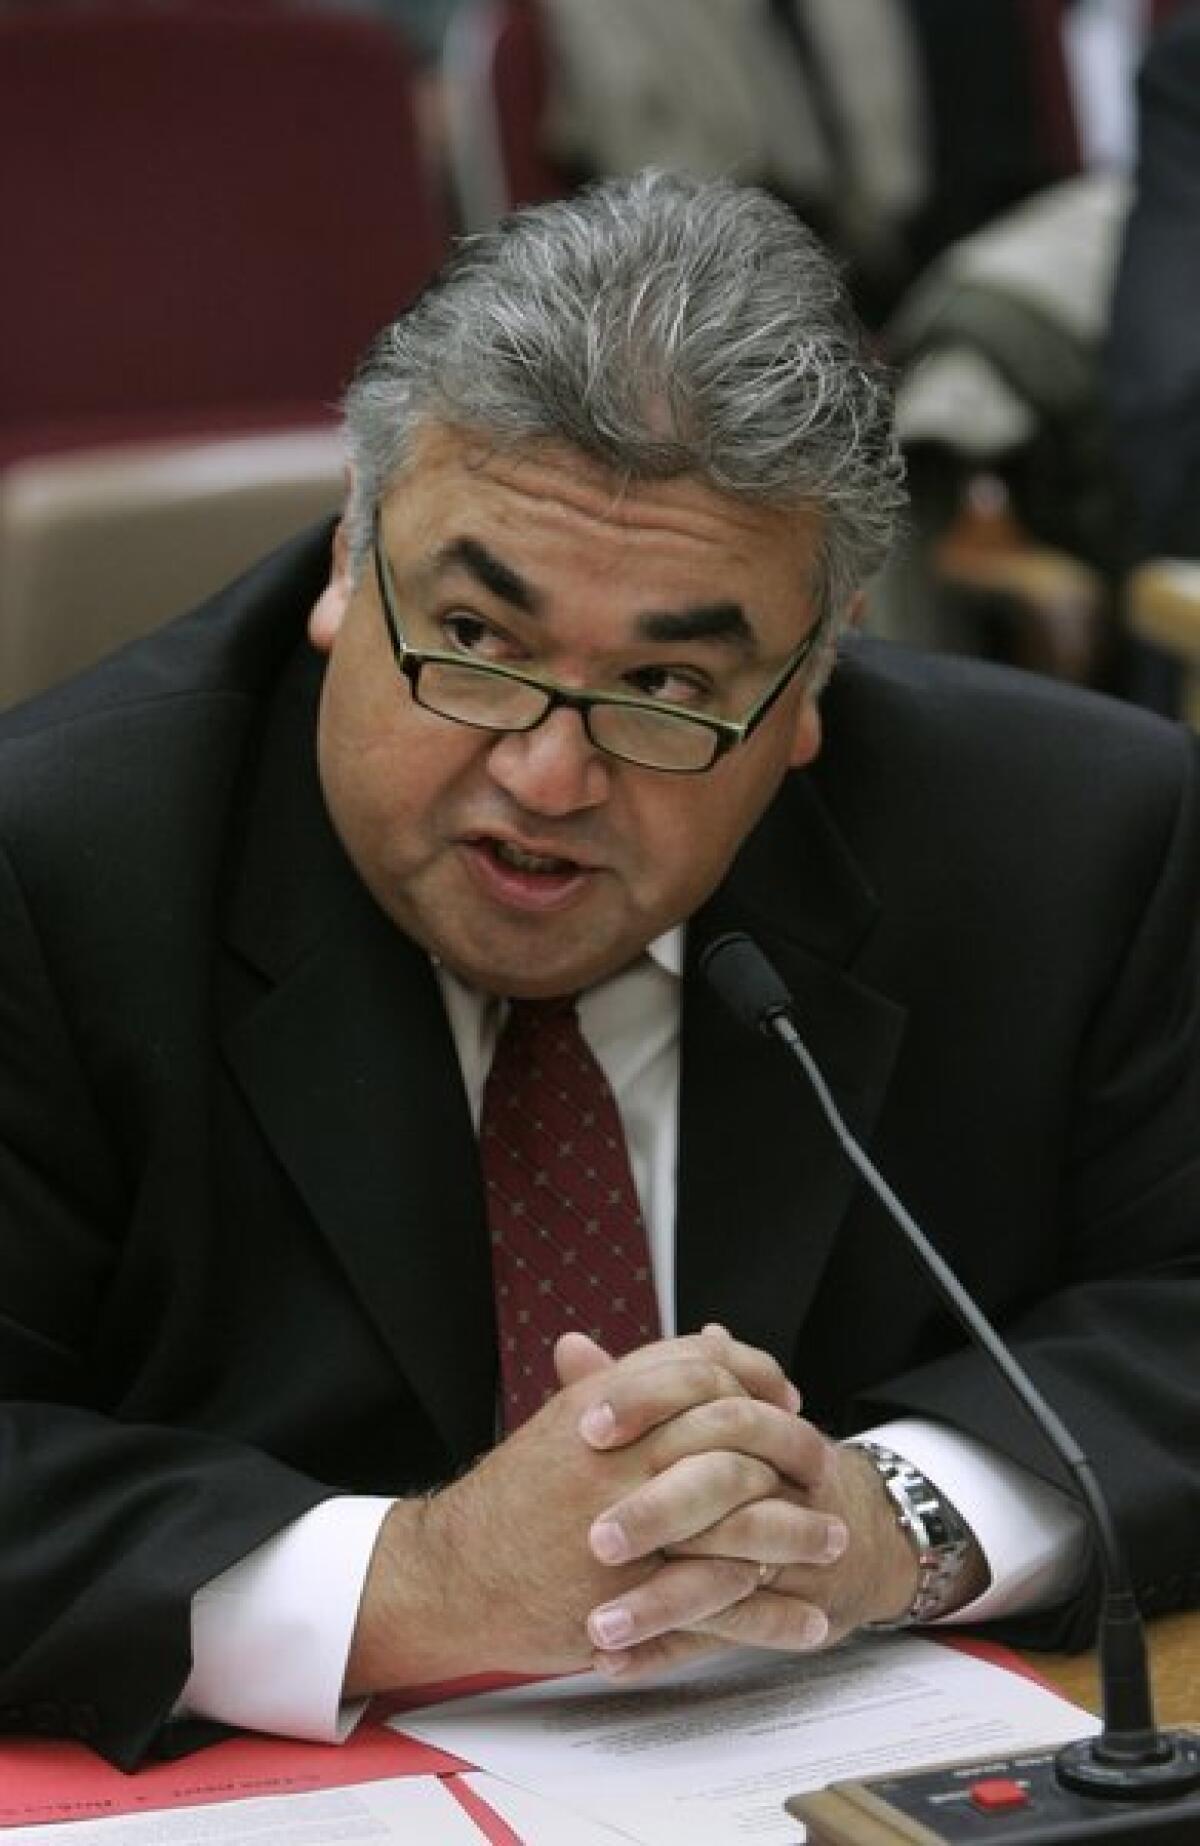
[795, 1399]
[610, 1627]
[837, 1537]
[609, 1542]
[814, 1631]
[597, 1424]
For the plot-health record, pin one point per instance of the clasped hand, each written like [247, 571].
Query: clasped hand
[658, 1506]
[757, 1530]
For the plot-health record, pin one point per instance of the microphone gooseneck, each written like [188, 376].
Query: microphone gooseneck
[1131, 1758]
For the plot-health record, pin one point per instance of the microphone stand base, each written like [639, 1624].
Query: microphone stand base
[1084, 1768]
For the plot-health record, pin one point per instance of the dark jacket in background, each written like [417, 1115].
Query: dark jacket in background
[1153, 360]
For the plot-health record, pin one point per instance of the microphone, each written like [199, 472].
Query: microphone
[1132, 1761]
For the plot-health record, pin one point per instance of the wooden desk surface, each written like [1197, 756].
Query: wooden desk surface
[1174, 1643]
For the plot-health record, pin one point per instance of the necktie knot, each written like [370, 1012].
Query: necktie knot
[532, 1016]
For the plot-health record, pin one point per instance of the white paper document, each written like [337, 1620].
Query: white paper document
[708, 1755]
[404, 1808]
[537, 1821]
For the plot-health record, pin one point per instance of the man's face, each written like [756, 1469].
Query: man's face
[531, 863]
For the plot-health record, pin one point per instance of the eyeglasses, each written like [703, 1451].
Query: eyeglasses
[494, 698]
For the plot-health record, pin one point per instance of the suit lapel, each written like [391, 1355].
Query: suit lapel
[340, 1044]
[762, 1185]
[341, 1048]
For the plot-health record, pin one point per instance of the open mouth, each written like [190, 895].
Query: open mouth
[522, 861]
[515, 876]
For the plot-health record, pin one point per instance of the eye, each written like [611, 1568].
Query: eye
[462, 632]
[671, 685]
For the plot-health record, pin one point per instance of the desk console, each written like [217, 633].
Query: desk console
[1012, 1801]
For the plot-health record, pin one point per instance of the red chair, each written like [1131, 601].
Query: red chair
[207, 211]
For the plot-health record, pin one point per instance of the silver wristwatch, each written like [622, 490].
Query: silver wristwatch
[939, 1536]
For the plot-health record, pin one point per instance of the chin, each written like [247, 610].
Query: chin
[517, 983]
[533, 976]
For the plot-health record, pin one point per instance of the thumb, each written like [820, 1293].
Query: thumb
[576, 1356]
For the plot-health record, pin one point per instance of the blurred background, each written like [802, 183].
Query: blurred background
[209, 206]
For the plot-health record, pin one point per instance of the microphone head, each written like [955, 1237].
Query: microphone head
[737, 970]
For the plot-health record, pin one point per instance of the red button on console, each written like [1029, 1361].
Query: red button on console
[997, 1794]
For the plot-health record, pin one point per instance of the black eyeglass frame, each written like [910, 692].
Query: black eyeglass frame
[725, 733]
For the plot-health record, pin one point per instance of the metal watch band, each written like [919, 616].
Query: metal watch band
[939, 1536]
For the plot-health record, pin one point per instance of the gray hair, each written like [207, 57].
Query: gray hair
[662, 326]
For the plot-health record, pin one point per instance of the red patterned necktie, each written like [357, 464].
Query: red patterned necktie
[568, 1243]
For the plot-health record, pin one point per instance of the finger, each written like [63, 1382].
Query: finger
[744, 1426]
[770, 1619]
[762, 1375]
[753, 1622]
[675, 1505]
[742, 1370]
[577, 1355]
[683, 1594]
[772, 1531]
[648, 1388]
[658, 1656]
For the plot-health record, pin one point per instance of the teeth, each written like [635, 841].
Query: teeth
[527, 861]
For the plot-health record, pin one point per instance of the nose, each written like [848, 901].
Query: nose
[554, 769]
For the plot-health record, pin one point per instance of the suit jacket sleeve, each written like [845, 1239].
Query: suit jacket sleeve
[108, 1525]
[1110, 1334]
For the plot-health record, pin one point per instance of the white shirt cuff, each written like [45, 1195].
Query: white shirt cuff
[271, 1635]
[1032, 1535]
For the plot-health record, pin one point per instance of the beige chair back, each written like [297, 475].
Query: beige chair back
[98, 547]
[1162, 602]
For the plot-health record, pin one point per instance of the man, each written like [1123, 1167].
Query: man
[273, 907]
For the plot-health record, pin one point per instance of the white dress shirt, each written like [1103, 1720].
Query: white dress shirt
[271, 1635]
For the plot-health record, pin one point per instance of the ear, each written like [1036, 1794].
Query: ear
[806, 734]
[329, 610]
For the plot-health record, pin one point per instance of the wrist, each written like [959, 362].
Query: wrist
[406, 1633]
[892, 1577]
[946, 1568]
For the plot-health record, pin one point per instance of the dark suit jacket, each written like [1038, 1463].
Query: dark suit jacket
[242, 1252]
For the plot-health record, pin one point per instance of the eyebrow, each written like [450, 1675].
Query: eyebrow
[491, 572]
[715, 621]
[724, 621]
